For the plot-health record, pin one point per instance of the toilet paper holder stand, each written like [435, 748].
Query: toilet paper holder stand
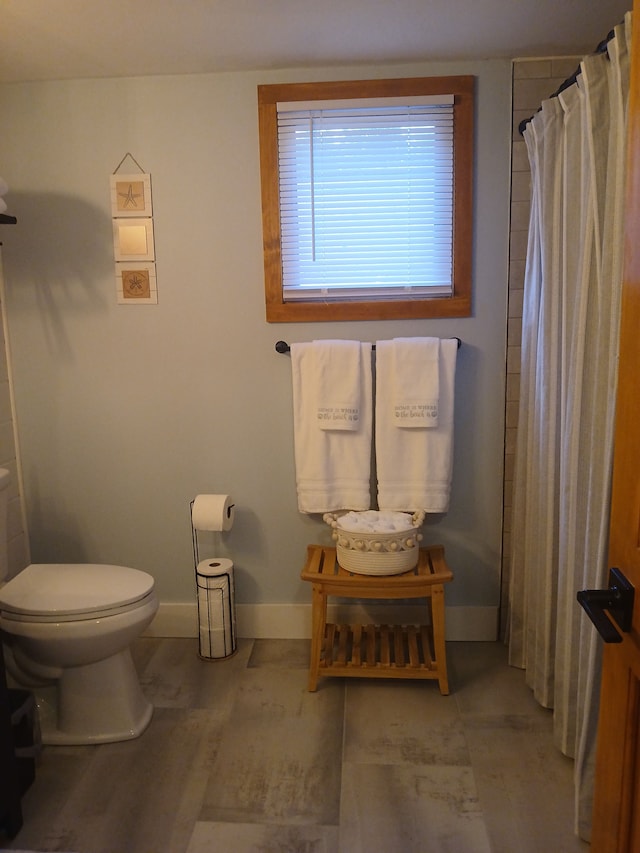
[217, 637]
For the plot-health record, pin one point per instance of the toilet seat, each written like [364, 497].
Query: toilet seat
[65, 592]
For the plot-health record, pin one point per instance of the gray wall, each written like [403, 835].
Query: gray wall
[125, 413]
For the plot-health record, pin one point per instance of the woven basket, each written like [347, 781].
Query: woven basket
[377, 553]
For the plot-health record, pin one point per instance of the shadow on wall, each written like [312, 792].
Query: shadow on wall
[56, 528]
[56, 257]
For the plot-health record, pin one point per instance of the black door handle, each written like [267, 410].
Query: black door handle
[617, 601]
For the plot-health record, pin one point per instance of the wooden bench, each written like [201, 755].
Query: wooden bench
[378, 651]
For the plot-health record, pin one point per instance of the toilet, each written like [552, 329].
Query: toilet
[67, 631]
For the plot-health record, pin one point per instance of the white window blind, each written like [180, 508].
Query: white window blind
[366, 198]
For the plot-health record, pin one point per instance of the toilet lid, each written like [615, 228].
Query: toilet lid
[50, 589]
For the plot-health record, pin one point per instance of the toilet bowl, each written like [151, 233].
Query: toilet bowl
[67, 631]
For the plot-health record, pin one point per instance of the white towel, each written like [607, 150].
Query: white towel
[415, 382]
[337, 367]
[414, 466]
[333, 467]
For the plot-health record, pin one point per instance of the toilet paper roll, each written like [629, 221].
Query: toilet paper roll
[215, 566]
[212, 512]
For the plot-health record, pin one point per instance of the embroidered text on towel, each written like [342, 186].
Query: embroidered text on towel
[415, 382]
[337, 371]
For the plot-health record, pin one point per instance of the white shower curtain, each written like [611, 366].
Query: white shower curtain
[576, 147]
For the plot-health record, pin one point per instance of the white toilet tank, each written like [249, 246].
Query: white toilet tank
[5, 480]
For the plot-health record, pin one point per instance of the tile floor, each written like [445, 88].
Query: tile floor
[240, 757]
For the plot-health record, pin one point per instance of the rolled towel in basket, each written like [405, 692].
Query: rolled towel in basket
[375, 521]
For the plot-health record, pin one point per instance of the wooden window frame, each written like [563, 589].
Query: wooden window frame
[459, 304]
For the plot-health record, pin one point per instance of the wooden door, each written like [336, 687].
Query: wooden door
[616, 817]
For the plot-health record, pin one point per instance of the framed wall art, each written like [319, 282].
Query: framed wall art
[136, 284]
[133, 237]
[133, 240]
[131, 195]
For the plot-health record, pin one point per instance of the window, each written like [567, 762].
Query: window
[366, 198]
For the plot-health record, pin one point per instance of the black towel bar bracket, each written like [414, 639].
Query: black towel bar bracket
[283, 347]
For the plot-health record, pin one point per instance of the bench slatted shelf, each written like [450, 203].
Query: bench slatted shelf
[378, 651]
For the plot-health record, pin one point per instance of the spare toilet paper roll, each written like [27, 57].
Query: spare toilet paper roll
[212, 512]
[214, 566]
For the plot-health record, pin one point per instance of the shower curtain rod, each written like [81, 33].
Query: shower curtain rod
[283, 347]
[601, 48]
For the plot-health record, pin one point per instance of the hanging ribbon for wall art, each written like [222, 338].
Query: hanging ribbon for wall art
[133, 237]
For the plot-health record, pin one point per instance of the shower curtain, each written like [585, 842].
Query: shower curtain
[576, 148]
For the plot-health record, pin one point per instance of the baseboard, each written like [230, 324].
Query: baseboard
[293, 621]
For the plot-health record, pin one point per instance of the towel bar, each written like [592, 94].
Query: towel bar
[283, 347]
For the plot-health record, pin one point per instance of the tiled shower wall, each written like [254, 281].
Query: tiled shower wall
[534, 80]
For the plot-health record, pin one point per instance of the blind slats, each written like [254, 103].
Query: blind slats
[366, 201]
